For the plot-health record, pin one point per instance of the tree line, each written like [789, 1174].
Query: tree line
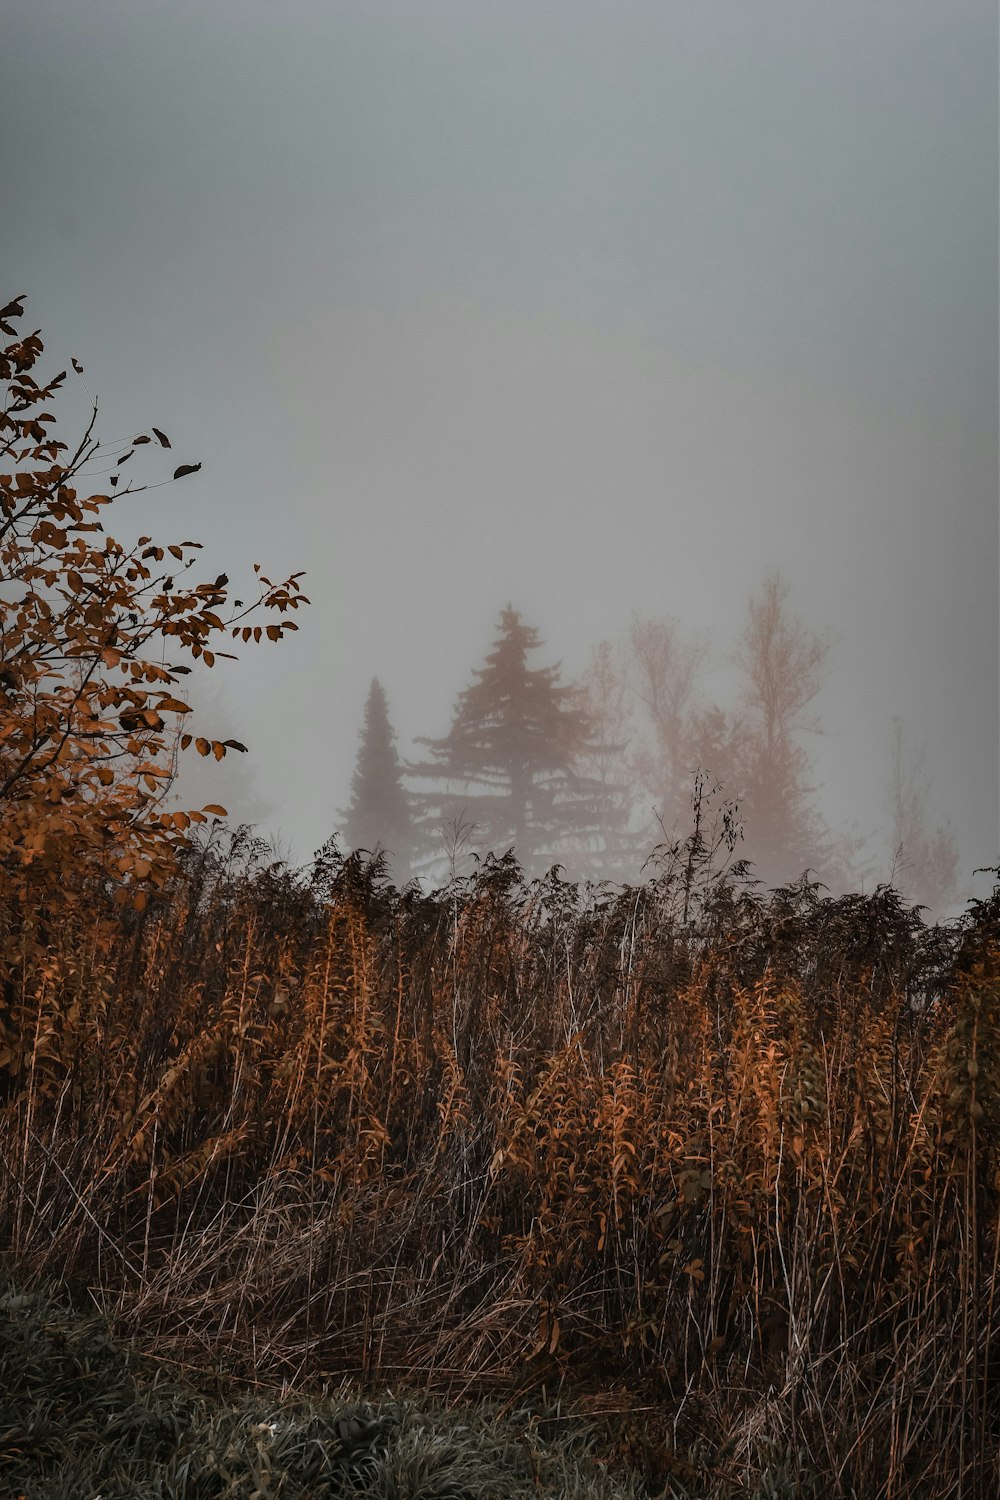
[595, 775]
[603, 774]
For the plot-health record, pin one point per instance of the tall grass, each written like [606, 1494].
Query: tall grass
[738, 1170]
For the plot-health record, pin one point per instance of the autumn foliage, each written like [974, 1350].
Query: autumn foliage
[95, 637]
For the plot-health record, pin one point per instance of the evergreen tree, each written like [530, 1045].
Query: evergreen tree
[379, 816]
[508, 768]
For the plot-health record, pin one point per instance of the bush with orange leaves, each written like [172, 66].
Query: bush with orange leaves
[89, 712]
[93, 639]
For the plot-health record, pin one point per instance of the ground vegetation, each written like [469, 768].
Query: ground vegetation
[726, 1156]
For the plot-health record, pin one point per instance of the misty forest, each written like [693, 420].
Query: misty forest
[516, 1144]
[615, 774]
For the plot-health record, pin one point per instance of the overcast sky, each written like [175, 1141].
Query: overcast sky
[592, 307]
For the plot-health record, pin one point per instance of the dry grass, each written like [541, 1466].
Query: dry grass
[743, 1168]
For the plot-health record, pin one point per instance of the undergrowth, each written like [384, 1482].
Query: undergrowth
[722, 1163]
[81, 1416]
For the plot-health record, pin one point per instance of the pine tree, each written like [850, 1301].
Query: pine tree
[379, 816]
[508, 768]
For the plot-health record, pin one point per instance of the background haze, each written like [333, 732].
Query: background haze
[596, 309]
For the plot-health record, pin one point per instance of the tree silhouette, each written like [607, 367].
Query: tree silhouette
[379, 816]
[666, 665]
[619, 850]
[783, 662]
[924, 860]
[509, 767]
[660, 734]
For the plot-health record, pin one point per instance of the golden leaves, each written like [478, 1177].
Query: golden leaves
[86, 753]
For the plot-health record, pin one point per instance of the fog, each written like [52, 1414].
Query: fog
[600, 311]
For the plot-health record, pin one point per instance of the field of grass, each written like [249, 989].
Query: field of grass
[723, 1164]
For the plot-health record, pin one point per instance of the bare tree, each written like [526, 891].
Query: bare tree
[666, 666]
[924, 861]
[783, 662]
[609, 704]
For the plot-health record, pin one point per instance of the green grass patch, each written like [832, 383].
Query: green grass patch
[84, 1418]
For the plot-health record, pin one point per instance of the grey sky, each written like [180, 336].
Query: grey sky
[593, 307]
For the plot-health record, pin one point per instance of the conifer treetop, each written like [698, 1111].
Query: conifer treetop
[379, 816]
[510, 763]
[512, 714]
